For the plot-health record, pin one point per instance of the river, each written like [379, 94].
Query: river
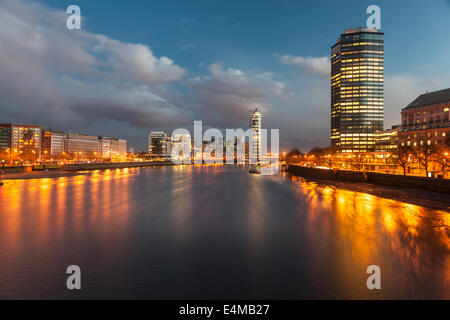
[215, 232]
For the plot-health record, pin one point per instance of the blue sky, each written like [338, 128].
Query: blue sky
[219, 52]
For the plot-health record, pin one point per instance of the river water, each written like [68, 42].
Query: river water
[215, 232]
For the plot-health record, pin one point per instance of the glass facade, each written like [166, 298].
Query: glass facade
[81, 145]
[357, 89]
[157, 143]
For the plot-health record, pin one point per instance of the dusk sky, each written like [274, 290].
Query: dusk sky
[137, 66]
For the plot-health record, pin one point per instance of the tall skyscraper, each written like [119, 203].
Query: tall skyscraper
[357, 87]
[256, 125]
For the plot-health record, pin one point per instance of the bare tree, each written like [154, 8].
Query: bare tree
[401, 156]
[329, 161]
[424, 153]
[443, 155]
[293, 156]
[358, 161]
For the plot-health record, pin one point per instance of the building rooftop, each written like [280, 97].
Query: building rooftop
[360, 29]
[357, 30]
[430, 98]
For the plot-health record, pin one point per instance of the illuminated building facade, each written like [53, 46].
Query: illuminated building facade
[104, 147]
[57, 143]
[5, 137]
[256, 126]
[24, 141]
[118, 148]
[426, 120]
[80, 146]
[32, 142]
[46, 144]
[157, 143]
[357, 87]
[387, 140]
[52, 144]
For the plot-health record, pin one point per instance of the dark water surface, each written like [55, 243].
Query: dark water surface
[212, 232]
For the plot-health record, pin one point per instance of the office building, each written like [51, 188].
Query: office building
[387, 140]
[57, 144]
[46, 144]
[112, 148]
[5, 137]
[357, 86]
[81, 146]
[21, 141]
[104, 147]
[157, 143]
[256, 126]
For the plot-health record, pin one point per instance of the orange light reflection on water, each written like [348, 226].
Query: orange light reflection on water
[360, 224]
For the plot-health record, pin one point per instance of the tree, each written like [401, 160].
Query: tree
[424, 153]
[293, 156]
[443, 155]
[358, 161]
[317, 151]
[401, 157]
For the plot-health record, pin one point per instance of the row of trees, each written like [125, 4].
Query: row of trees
[320, 156]
[425, 158]
[429, 157]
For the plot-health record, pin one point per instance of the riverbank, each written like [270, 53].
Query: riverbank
[408, 194]
[80, 169]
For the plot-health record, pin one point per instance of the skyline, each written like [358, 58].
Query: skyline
[112, 77]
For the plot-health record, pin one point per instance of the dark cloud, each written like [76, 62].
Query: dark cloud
[224, 97]
[69, 78]
[77, 80]
[92, 111]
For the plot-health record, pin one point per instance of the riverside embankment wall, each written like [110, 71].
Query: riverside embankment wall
[87, 166]
[438, 185]
[113, 165]
[18, 169]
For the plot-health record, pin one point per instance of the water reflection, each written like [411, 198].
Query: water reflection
[215, 232]
[407, 241]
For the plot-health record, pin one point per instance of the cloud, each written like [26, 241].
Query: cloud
[223, 96]
[134, 62]
[313, 66]
[52, 75]
[34, 32]
[81, 81]
[96, 110]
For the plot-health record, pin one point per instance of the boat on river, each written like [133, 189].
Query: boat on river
[255, 169]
